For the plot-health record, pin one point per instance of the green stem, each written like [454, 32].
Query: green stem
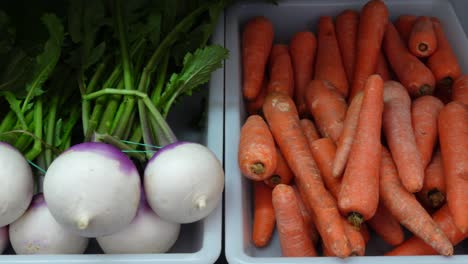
[23, 141]
[8, 122]
[68, 128]
[37, 147]
[136, 134]
[119, 144]
[50, 130]
[109, 115]
[145, 127]
[160, 80]
[85, 105]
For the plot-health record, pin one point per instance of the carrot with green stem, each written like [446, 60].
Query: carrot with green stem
[460, 89]
[346, 138]
[257, 39]
[404, 207]
[359, 194]
[291, 228]
[264, 215]
[453, 140]
[282, 173]
[386, 226]
[329, 65]
[307, 217]
[404, 24]
[398, 130]
[328, 108]
[302, 48]
[411, 72]
[257, 151]
[309, 130]
[282, 116]
[424, 113]
[422, 41]
[433, 192]
[255, 106]
[372, 25]
[347, 24]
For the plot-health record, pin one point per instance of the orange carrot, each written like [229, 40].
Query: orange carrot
[302, 47]
[255, 106]
[404, 25]
[443, 62]
[424, 113]
[422, 41]
[453, 140]
[323, 151]
[329, 65]
[257, 153]
[307, 217]
[282, 116]
[460, 89]
[416, 246]
[365, 232]
[433, 191]
[328, 108]
[358, 197]
[281, 71]
[291, 228]
[347, 23]
[309, 130]
[264, 215]
[282, 174]
[407, 210]
[257, 39]
[386, 226]
[382, 68]
[357, 241]
[346, 138]
[398, 130]
[372, 25]
[411, 72]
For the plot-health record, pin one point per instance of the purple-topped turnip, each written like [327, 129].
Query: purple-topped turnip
[146, 234]
[3, 238]
[37, 232]
[92, 189]
[16, 184]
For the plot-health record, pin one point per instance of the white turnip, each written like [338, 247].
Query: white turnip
[3, 238]
[93, 189]
[16, 184]
[146, 234]
[37, 232]
[184, 182]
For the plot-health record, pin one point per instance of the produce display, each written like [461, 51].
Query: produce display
[86, 150]
[362, 125]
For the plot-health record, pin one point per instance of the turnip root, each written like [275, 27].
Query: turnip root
[146, 234]
[92, 189]
[3, 238]
[37, 232]
[16, 184]
[184, 182]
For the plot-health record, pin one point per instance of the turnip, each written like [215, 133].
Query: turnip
[16, 184]
[37, 232]
[183, 182]
[92, 189]
[146, 234]
[3, 238]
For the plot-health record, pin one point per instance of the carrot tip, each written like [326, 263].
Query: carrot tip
[425, 89]
[422, 47]
[446, 82]
[275, 179]
[257, 168]
[436, 198]
[356, 219]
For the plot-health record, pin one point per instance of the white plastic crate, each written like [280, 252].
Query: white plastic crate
[289, 17]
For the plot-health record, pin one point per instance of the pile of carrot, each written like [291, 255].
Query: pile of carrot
[360, 125]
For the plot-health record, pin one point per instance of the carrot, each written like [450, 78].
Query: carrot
[422, 41]
[302, 47]
[346, 138]
[433, 191]
[365, 232]
[281, 71]
[386, 226]
[257, 154]
[291, 228]
[264, 215]
[443, 62]
[328, 108]
[282, 174]
[416, 246]
[281, 114]
[424, 113]
[347, 24]
[453, 140]
[309, 130]
[411, 72]
[329, 65]
[357, 241]
[460, 89]
[398, 130]
[407, 210]
[358, 197]
[257, 39]
[382, 68]
[404, 25]
[307, 217]
[255, 106]
[372, 25]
